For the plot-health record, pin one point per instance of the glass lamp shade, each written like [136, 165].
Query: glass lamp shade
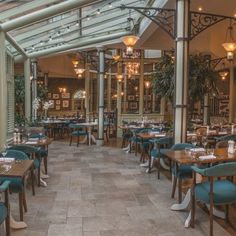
[130, 40]
[79, 71]
[119, 77]
[75, 63]
[229, 47]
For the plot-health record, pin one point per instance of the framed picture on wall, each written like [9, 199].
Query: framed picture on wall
[58, 107]
[65, 103]
[49, 95]
[131, 97]
[53, 104]
[65, 95]
[55, 96]
[133, 105]
[58, 102]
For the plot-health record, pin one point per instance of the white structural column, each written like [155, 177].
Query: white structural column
[27, 89]
[87, 89]
[141, 85]
[118, 103]
[206, 116]
[231, 95]
[34, 89]
[100, 138]
[109, 91]
[3, 90]
[181, 70]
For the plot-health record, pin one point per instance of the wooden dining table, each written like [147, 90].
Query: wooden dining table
[17, 169]
[183, 157]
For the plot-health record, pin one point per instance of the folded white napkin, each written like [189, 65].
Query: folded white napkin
[222, 132]
[154, 132]
[7, 159]
[207, 157]
[31, 142]
[197, 150]
[160, 135]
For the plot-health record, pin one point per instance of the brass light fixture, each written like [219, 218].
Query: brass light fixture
[147, 84]
[79, 72]
[223, 72]
[62, 90]
[129, 42]
[119, 77]
[229, 44]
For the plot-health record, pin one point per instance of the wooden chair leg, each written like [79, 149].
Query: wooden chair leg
[7, 224]
[173, 187]
[77, 141]
[158, 167]
[70, 140]
[32, 181]
[193, 206]
[179, 190]
[45, 163]
[227, 213]
[211, 219]
[21, 205]
[39, 176]
[24, 202]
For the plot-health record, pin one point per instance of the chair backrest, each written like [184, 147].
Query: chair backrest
[37, 135]
[75, 126]
[27, 149]
[168, 141]
[18, 155]
[222, 144]
[224, 169]
[201, 131]
[182, 146]
[227, 138]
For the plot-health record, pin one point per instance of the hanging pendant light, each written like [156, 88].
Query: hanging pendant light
[129, 42]
[229, 45]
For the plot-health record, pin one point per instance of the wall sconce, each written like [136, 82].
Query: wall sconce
[223, 74]
[62, 90]
[229, 45]
[119, 77]
[130, 41]
[147, 84]
[79, 72]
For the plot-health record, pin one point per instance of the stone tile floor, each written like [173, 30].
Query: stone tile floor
[102, 191]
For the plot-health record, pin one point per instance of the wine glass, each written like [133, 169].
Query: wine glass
[4, 150]
[194, 141]
[204, 141]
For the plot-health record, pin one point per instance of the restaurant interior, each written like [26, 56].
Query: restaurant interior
[117, 117]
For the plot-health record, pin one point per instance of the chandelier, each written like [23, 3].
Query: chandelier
[132, 68]
[78, 67]
[129, 42]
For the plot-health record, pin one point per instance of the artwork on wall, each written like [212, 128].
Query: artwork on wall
[52, 104]
[133, 105]
[131, 97]
[58, 107]
[55, 96]
[58, 102]
[65, 103]
[65, 95]
[49, 95]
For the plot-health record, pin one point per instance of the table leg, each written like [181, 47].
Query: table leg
[184, 204]
[17, 224]
[163, 164]
[93, 138]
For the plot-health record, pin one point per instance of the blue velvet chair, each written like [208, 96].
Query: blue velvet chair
[4, 207]
[76, 131]
[180, 172]
[17, 185]
[43, 150]
[33, 153]
[214, 191]
[160, 146]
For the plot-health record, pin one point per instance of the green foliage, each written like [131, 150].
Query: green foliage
[202, 78]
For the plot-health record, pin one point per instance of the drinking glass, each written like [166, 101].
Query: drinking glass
[194, 141]
[204, 141]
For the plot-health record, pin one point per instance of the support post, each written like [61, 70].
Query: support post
[3, 91]
[27, 89]
[206, 117]
[181, 70]
[118, 103]
[109, 91]
[100, 138]
[141, 85]
[34, 89]
[231, 94]
[87, 88]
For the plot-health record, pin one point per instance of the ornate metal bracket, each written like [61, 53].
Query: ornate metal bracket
[215, 62]
[165, 19]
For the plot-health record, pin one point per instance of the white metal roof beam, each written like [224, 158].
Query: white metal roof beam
[25, 7]
[16, 46]
[44, 14]
[82, 43]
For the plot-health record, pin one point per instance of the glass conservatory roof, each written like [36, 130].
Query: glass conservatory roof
[39, 28]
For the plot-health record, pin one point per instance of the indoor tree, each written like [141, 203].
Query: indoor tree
[202, 78]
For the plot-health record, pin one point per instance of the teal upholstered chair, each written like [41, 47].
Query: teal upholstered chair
[180, 172]
[160, 146]
[226, 138]
[33, 153]
[76, 131]
[43, 150]
[4, 206]
[214, 191]
[17, 185]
